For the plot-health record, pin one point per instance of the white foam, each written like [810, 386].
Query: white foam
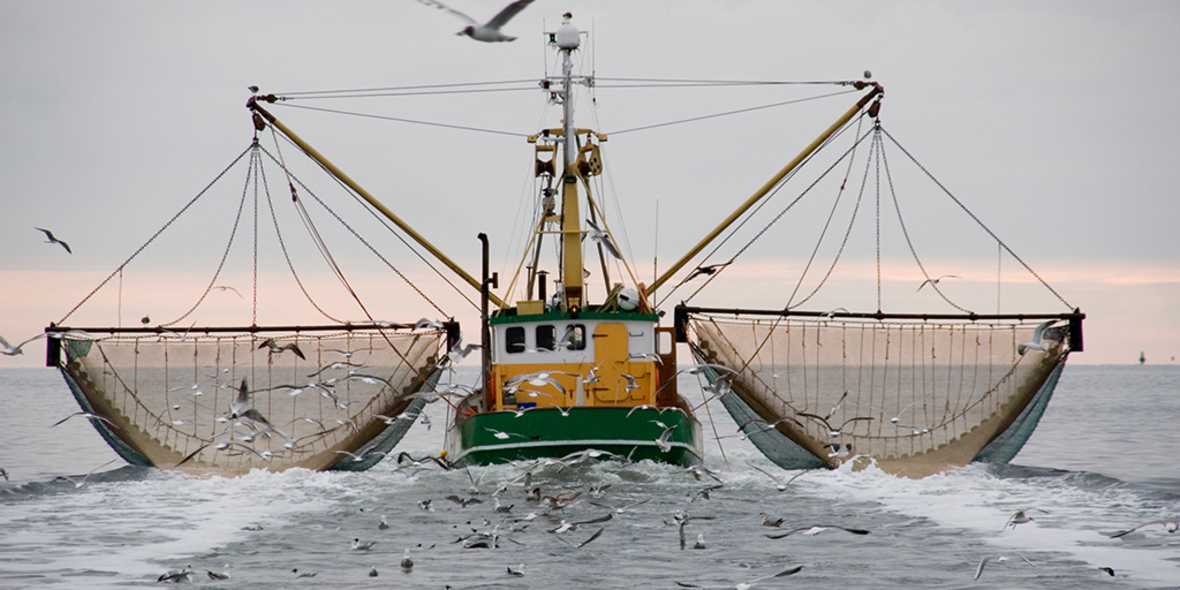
[976, 501]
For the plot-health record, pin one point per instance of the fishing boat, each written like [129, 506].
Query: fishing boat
[568, 374]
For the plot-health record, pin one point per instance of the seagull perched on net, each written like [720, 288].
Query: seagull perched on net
[488, 32]
[53, 240]
[1037, 343]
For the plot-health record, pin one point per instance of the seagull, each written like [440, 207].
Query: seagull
[935, 281]
[221, 575]
[778, 485]
[304, 574]
[983, 562]
[597, 235]
[706, 270]
[4, 472]
[53, 240]
[373, 572]
[383, 525]
[464, 502]
[459, 352]
[700, 544]
[768, 520]
[275, 348]
[832, 431]
[427, 323]
[407, 563]
[518, 572]
[500, 434]
[177, 576]
[357, 545]
[490, 32]
[11, 350]
[1036, 343]
[88, 416]
[750, 584]
[662, 441]
[1170, 525]
[1108, 570]
[894, 418]
[815, 530]
[1019, 517]
[223, 288]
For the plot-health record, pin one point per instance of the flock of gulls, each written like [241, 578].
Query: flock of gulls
[576, 514]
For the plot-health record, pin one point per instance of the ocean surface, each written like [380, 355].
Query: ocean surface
[1106, 457]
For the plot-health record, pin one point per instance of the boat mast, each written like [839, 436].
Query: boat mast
[568, 39]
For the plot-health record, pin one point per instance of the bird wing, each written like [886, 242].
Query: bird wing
[815, 417]
[441, 6]
[506, 15]
[1040, 331]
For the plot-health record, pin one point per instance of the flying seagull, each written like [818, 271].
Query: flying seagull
[597, 235]
[935, 281]
[1037, 343]
[10, 350]
[983, 562]
[489, 32]
[53, 240]
[270, 343]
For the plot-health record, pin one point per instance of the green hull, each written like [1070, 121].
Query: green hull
[546, 433]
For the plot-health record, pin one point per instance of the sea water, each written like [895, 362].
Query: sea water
[1106, 457]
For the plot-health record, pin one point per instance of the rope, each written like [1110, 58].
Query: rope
[385, 223]
[727, 113]
[414, 121]
[901, 222]
[367, 244]
[118, 270]
[976, 219]
[283, 247]
[346, 93]
[772, 221]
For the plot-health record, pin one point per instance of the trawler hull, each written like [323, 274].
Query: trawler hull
[545, 433]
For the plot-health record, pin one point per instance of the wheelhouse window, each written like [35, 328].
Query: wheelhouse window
[514, 339]
[546, 337]
[574, 337]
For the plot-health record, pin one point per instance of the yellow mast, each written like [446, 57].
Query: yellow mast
[568, 39]
[770, 184]
[339, 174]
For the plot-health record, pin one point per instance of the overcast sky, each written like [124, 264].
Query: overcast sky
[1054, 122]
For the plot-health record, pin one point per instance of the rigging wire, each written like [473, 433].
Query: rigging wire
[676, 83]
[118, 270]
[749, 216]
[734, 112]
[353, 231]
[403, 120]
[395, 94]
[403, 88]
[976, 219]
[901, 222]
[384, 222]
[283, 245]
[232, 234]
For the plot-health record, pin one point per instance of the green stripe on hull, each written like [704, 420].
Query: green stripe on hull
[546, 433]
